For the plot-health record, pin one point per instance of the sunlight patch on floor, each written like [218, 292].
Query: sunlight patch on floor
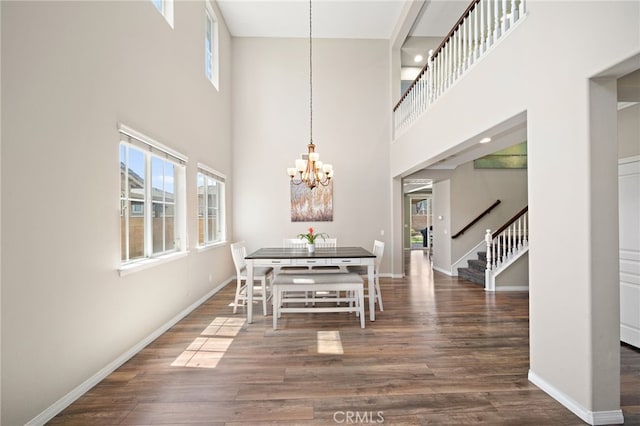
[206, 351]
[329, 342]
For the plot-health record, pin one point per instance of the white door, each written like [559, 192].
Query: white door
[629, 203]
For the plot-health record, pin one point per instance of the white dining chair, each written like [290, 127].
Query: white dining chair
[326, 243]
[262, 275]
[297, 243]
[378, 250]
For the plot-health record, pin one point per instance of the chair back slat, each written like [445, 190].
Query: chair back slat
[239, 252]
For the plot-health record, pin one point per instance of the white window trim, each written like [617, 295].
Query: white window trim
[142, 264]
[182, 247]
[167, 10]
[215, 45]
[223, 200]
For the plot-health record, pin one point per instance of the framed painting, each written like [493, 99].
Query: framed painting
[311, 205]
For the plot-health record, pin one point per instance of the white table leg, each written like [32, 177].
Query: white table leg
[372, 292]
[249, 291]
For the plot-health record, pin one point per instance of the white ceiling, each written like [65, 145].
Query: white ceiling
[373, 19]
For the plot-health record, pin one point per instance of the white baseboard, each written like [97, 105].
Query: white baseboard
[85, 386]
[630, 335]
[444, 271]
[613, 417]
[512, 288]
[390, 275]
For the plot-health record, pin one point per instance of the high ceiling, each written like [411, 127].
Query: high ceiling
[374, 19]
[377, 19]
[331, 18]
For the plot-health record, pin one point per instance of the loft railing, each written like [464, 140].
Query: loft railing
[482, 24]
[505, 245]
[476, 220]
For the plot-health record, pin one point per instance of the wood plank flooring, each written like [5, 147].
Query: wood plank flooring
[442, 352]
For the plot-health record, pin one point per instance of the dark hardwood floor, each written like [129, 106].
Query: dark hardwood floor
[442, 352]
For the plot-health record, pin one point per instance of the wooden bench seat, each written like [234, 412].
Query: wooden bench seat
[350, 283]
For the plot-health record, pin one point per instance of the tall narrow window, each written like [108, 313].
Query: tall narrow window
[211, 45]
[165, 7]
[211, 202]
[152, 198]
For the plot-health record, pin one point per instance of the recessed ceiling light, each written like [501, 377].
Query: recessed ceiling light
[418, 58]
[485, 140]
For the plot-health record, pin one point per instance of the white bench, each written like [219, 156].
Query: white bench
[350, 283]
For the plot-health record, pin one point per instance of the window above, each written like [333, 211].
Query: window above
[211, 55]
[165, 7]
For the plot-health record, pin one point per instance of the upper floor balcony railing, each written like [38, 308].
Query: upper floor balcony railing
[482, 24]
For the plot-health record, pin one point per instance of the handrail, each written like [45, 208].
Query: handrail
[438, 50]
[476, 32]
[510, 222]
[474, 221]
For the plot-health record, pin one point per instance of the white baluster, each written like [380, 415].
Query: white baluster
[490, 20]
[504, 16]
[469, 40]
[453, 55]
[496, 20]
[464, 35]
[421, 99]
[483, 24]
[468, 32]
[476, 30]
[514, 12]
[430, 77]
[522, 9]
[488, 241]
[439, 65]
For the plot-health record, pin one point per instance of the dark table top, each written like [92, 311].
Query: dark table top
[320, 253]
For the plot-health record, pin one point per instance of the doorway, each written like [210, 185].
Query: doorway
[419, 221]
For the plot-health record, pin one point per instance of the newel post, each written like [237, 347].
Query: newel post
[489, 284]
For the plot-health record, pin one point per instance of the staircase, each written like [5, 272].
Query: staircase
[504, 247]
[475, 270]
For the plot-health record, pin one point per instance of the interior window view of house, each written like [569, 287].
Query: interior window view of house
[316, 212]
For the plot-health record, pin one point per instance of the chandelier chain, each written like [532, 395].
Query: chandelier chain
[309, 170]
[310, 78]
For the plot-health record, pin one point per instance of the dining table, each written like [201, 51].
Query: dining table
[278, 257]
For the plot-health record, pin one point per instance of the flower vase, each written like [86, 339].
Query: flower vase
[311, 247]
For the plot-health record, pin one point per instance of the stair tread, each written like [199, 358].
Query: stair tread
[472, 275]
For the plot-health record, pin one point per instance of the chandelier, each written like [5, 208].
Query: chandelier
[310, 170]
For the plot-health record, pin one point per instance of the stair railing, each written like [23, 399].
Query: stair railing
[481, 25]
[476, 220]
[505, 245]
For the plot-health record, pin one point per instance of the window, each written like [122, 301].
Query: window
[165, 7]
[152, 198]
[211, 45]
[211, 202]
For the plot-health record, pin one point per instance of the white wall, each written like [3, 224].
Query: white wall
[629, 131]
[543, 67]
[351, 130]
[442, 226]
[473, 191]
[70, 72]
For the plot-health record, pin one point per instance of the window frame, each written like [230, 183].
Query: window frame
[165, 7]
[210, 173]
[151, 151]
[212, 59]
